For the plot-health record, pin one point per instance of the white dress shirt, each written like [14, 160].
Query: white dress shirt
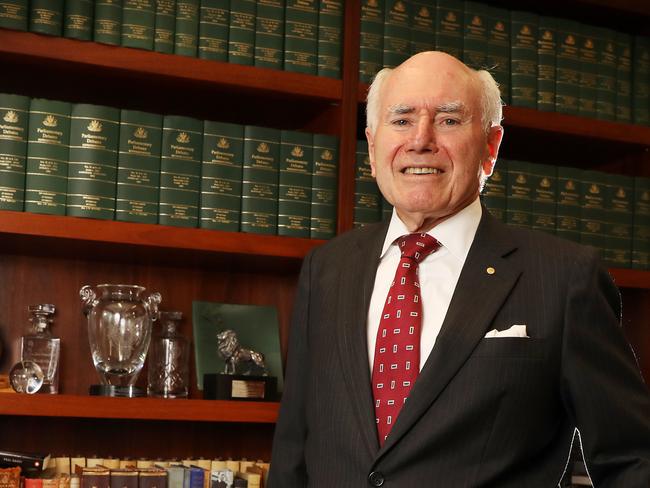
[438, 274]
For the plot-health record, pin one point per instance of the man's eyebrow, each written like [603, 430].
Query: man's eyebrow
[401, 109]
[451, 107]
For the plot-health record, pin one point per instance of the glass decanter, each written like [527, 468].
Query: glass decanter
[38, 345]
[169, 355]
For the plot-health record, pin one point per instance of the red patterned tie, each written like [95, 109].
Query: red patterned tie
[397, 350]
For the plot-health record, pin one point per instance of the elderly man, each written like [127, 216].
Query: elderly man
[444, 348]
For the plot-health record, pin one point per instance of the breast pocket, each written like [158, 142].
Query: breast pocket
[510, 347]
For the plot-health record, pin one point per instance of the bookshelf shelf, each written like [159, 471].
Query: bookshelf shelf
[137, 408]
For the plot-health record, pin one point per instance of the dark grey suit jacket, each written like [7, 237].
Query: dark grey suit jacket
[497, 412]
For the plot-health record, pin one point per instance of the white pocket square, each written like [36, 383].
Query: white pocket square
[514, 331]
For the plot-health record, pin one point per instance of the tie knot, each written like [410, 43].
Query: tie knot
[417, 246]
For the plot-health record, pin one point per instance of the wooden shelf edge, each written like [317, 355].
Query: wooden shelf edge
[78, 406]
[68, 52]
[631, 278]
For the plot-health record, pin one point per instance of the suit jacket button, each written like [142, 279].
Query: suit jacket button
[376, 478]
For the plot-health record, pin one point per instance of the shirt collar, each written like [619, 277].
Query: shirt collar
[455, 234]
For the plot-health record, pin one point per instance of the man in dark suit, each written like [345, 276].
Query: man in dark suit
[519, 332]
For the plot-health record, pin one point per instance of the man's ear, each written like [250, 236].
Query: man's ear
[494, 138]
[371, 150]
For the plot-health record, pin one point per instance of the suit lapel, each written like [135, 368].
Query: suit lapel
[476, 300]
[359, 267]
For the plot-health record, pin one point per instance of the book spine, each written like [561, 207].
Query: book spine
[294, 193]
[593, 217]
[241, 32]
[186, 36]
[498, 49]
[568, 203]
[259, 206]
[476, 36]
[14, 14]
[221, 176]
[269, 34]
[330, 38]
[494, 191]
[45, 17]
[154, 479]
[94, 132]
[641, 80]
[28, 462]
[523, 59]
[623, 77]
[386, 209]
[367, 198]
[138, 23]
[14, 123]
[214, 19]
[544, 197]
[95, 478]
[138, 167]
[606, 82]
[397, 32]
[588, 72]
[78, 19]
[46, 180]
[546, 47]
[620, 220]
[371, 47]
[567, 68]
[108, 22]
[450, 27]
[123, 478]
[301, 36]
[164, 26]
[423, 34]
[641, 229]
[324, 187]
[519, 202]
[180, 171]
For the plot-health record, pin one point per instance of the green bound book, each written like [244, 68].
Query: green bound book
[593, 218]
[259, 205]
[45, 17]
[475, 39]
[180, 171]
[623, 77]
[241, 32]
[301, 36]
[397, 32]
[498, 49]
[523, 58]
[164, 26]
[330, 38]
[567, 68]
[588, 72]
[607, 66]
[324, 187]
[92, 169]
[620, 220]
[367, 198]
[494, 191]
[108, 22]
[138, 167]
[221, 176]
[78, 19]
[214, 21]
[46, 180]
[519, 194]
[186, 35]
[14, 112]
[13, 14]
[641, 80]
[138, 23]
[546, 47]
[269, 34]
[450, 27]
[544, 197]
[568, 203]
[371, 50]
[641, 229]
[294, 193]
[423, 33]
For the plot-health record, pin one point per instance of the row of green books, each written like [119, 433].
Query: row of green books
[95, 161]
[540, 62]
[295, 35]
[608, 211]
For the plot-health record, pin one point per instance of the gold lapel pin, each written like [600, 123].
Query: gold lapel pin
[490, 270]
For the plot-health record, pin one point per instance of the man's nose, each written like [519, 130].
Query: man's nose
[424, 139]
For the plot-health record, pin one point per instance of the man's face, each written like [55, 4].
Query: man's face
[430, 145]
